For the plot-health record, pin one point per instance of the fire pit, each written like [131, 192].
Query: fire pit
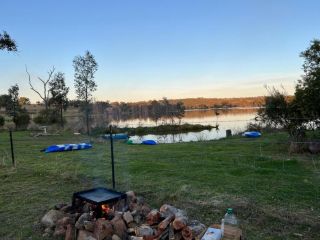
[102, 198]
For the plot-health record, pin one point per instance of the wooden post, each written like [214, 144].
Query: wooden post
[112, 159]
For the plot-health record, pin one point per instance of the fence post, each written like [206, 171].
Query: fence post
[112, 159]
[228, 133]
[12, 152]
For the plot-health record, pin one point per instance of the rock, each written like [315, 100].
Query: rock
[145, 210]
[85, 235]
[59, 206]
[130, 230]
[132, 225]
[115, 237]
[119, 226]
[127, 217]
[69, 232]
[143, 230]
[51, 217]
[140, 200]
[136, 238]
[80, 223]
[131, 196]
[86, 208]
[66, 208]
[102, 229]
[137, 219]
[59, 231]
[46, 235]
[65, 221]
[89, 225]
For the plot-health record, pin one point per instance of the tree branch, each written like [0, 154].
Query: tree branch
[31, 86]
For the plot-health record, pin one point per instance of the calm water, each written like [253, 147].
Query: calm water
[234, 119]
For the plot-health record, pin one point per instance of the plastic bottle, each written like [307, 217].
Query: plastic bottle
[229, 220]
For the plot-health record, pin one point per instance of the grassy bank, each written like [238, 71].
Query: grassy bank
[164, 129]
[275, 195]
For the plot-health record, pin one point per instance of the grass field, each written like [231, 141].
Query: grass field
[275, 195]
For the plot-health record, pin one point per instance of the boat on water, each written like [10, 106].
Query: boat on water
[116, 136]
[252, 134]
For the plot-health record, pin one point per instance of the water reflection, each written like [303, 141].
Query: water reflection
[234, 119]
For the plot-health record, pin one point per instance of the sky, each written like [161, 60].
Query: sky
[149, 49]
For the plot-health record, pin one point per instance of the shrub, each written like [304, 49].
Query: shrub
[22, 119]
[47, 117]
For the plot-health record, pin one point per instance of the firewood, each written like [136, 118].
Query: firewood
[180, 220]
[194, 230]
[69, 232]
[153, 217]
[167, 210]
[186, 233]
[143, 230]
[164, 224]
[177, 236]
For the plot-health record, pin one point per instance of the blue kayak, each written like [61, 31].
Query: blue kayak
[252, 134]
[149, 142]
[116, 136]
[67, 147]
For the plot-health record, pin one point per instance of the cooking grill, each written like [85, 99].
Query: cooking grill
[98, 197]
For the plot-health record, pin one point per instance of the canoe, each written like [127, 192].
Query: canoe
[67, 147]
[252, 134]
[134, 141]
[149, 142]
[116, 136]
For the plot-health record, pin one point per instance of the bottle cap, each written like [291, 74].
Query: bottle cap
[229, 210]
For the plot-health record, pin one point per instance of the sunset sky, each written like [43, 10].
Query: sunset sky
[151, 49]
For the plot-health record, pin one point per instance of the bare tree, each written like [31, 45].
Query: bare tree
[46, 89]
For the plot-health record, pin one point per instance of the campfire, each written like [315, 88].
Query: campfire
[100, 213]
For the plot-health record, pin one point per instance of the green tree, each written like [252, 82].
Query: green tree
[7, 43]
[4, 100]
[59, 92]
[85, 67]
[307, 94]
[24, 101]
[13, 105]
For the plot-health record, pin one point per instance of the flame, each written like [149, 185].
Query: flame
[105, 208]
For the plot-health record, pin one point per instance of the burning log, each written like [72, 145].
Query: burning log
[153, 217]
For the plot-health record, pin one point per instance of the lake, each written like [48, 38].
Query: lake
[235, 119]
